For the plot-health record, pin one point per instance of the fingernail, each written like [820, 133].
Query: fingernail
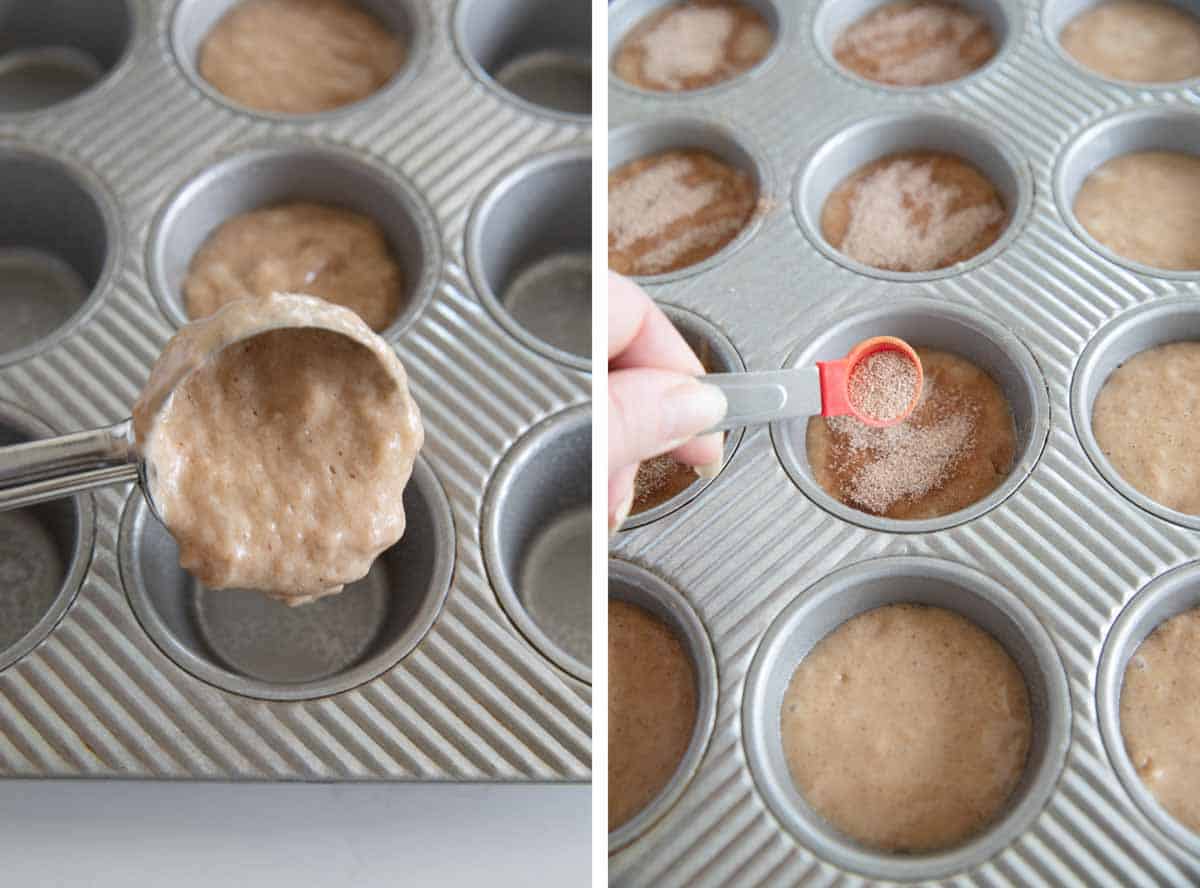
[710, 470]
[620, 515]
[694, 407]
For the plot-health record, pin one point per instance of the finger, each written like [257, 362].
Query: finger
[654, 411]
[620, 495]
[640, 335]
[706, 450]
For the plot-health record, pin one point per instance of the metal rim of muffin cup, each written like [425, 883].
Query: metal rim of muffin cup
[634, 141]
[191, 21]
[1006, 18]
[1166, 596]
[18, 424]
[639, 586]
[1126, 132]
[1150, 324]
[477, 22]
[624, 15]
[728, 360]
[104, 34]
[851, 146]
[55, 202]
[1057, 14]
[962, 330]
[167, 602]
[516, 213]
[253, 177]
[867, 585]
[525, 494]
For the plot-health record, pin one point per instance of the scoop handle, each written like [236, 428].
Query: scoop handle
[37, 471]
[767, 395]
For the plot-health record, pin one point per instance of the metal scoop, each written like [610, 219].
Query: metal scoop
[768, 396]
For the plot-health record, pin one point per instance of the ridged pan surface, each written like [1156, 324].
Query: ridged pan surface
[1065, 541]
[474, 700]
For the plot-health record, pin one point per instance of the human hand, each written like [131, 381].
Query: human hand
[655, 403]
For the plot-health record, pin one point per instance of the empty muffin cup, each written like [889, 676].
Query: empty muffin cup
[44, 553]
[1127, 132]
[930, 323]
[719, 356]
[854, 590]
[638, 140]
[528, 250]
[1131, 333]
[833, 17]
[536, 53]
[59, 241]
[407, 20]
[625, 15]
[872, 139]
[54, 50]
[251, 645]
[1165, 597]
[636, 585]
[537, 538]
[264, 176]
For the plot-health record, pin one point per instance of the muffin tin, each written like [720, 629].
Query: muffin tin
[112, 662]
[1061, 564]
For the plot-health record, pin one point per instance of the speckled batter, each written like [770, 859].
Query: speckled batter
[1135, 40]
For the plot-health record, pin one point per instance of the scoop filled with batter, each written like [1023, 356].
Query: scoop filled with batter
[278, 437]
[692, 45]
[299, 56]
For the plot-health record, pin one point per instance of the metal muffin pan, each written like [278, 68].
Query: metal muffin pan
[417, 674]
[628, 582]
[1065, 547]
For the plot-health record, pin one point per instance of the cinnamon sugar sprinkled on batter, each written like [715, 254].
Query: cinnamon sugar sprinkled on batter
[916, 43]
[882, 385]
[659, 479]
[693, 45]
[914, 212]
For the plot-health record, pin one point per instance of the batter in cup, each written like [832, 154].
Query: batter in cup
[1135, 40]
[299, 56]
[279, 435]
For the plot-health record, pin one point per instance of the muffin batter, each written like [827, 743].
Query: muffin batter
[299, 56]
[277, 458]
[692, 45]
[674, 209]
[1146, 207]
[917, 211]
[1135, 40]
[1146, 420]
[907, 728]
[651, 708]
[309, 248]
[916, 43]
[955, 448]
[1160, 715]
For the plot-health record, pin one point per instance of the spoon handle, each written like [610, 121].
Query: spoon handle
[766, 396]
[37, 471]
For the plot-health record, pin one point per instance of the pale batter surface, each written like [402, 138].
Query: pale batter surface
[325, 251]
[955, 448]
[907, 728]
[299, 56]
[278, 457]
[1160, 715]
[916, 43]
[693, 45]
[1146, 420]
[917, 211]
[674, 209]
[1146, 207]
[651, 708]
[1136, 40]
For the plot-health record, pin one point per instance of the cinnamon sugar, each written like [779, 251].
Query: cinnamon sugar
[916, 43]
[673, 209]
[659, 479]
[693, 45]
[882, 385]
[914, 212]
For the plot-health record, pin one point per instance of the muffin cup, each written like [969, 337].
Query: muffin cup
[862, 587]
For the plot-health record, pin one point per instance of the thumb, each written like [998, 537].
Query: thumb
[654, 411]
